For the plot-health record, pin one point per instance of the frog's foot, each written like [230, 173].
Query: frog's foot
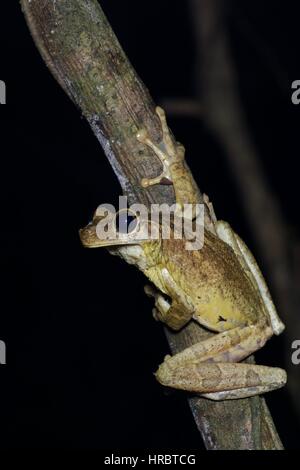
[164, 311]
[162, 306]
[169, 153]
[176, 313]
[209, 368]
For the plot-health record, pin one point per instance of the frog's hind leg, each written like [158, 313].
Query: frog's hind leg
[249, 264]
[249, 391]
[245, 380]
[224, 381]
[209, 368]
[276, 322]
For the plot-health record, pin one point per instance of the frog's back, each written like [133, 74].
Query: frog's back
[221, 291]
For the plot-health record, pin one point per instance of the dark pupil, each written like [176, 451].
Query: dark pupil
[125, 222]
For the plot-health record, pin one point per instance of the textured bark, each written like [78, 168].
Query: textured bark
[81, 50]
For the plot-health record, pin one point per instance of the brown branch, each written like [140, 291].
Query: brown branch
[81, 50]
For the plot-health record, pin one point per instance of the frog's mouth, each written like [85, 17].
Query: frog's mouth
[90, 239]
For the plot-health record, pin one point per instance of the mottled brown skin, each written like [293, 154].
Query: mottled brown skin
[222, 295]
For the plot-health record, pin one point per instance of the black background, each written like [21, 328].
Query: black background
[81, 342]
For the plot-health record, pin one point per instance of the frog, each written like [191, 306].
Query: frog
[219, 286]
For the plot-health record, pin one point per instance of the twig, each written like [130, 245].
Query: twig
[82, 52]
[183, 107]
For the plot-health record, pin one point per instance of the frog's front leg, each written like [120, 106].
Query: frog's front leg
[176, 313]
[175, 170]
[209, 368]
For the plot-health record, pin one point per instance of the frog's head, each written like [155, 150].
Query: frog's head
[124, 234]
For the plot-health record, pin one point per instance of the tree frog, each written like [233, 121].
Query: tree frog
[220, 286]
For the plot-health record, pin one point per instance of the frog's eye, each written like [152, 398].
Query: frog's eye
[126, 221]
